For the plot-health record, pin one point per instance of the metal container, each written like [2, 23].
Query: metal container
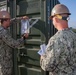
[27, 60]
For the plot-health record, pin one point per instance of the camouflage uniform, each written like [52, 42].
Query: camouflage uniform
[60, 55]
[6, 45]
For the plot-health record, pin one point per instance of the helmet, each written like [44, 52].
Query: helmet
[59, 9]
[4, 15]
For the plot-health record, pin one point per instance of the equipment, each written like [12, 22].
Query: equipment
[63, 17]
[59, 9]
[4, 15]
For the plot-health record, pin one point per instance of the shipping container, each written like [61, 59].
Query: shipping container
[27, 60]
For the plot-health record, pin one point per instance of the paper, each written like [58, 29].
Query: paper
[24, 26]
[42, 49]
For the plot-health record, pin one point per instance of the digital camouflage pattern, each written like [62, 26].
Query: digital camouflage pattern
[60, 55]
[6, 45]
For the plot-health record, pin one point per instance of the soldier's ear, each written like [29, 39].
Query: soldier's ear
[56, 19]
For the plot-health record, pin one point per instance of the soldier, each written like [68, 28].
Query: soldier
[6, 45]
[60, 54]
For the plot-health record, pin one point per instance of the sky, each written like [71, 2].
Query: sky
[71, 4]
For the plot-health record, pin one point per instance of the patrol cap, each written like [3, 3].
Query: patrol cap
[59, 9]
[4, 15]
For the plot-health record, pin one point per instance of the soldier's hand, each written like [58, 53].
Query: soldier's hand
[25, 17]
[41, 57]
[26, 35]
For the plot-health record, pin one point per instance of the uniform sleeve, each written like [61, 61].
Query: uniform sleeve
[50, 59]
[10, 41]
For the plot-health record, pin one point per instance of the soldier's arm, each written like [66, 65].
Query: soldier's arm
[49, 61]
[10, 41]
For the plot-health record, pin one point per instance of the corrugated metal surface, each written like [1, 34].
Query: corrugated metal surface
[50, 28]
[3, 4]
[26, 60]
